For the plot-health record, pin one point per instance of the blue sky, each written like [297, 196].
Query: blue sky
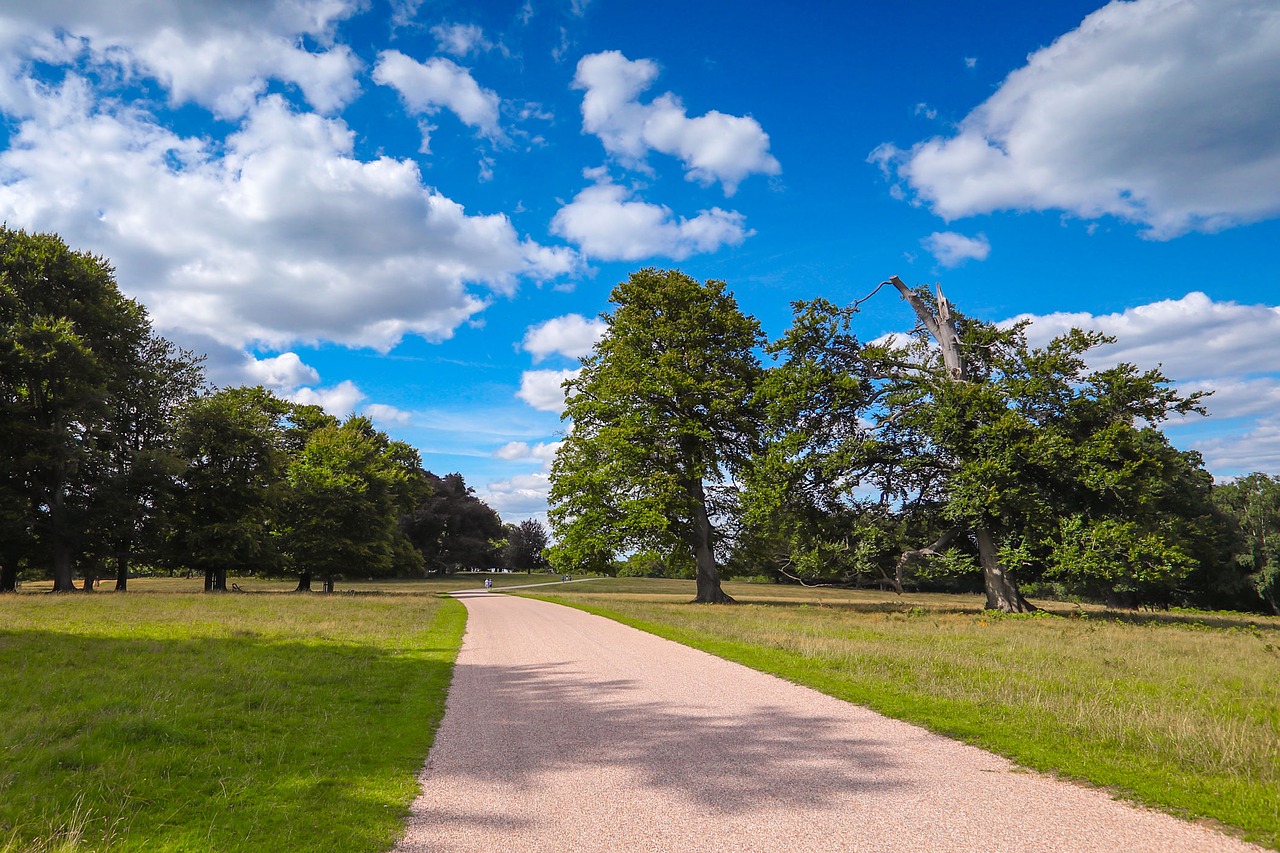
[417, 209]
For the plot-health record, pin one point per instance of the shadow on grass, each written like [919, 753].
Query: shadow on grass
[238, 743]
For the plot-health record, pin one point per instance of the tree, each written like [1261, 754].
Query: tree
[453, 528]
[233, 444]
[663, 414]
[1253, 503]
[971, 441]
[70, 348]
[526, 544]
[340, 507]
[141, 461]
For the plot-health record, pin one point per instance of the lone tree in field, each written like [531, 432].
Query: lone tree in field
[663, 413]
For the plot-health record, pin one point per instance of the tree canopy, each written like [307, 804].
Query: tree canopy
[664, 412]
[959, 456]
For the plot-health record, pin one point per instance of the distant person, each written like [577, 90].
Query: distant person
[488, 584]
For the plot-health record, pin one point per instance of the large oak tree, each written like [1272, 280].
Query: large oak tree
[663, 413]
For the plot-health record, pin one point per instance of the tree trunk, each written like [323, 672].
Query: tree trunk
[1002, 591]
[122, 570]
[215, 580]
[9, 577]
[90, 579]
[62, 580]
[304, 582]
[707, 575]
[328, 583]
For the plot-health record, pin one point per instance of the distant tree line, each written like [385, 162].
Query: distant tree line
[117, 455]
[958, 457]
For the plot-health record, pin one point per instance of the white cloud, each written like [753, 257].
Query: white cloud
[1193, 337]
[524, 494]
[1236, 397]
[427, 87]
[572, 336]
[712, 147]
[607, 224]
[1257, 449]
[522, 451]
[460, 39]
[340, 400]
[1230, 349]
[541, 388]
[220, 55]
[278, 235]
[952, 249]
[384, 414]
[286, 370]
[1162, 112]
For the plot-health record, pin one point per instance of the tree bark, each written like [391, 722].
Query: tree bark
[215, 580]
[304, 582]
[1002, 591]
[8, 577]
[933, 549]
[90, 579]
[122, 570]
[62, 580]
[941, 326]
[706, 574]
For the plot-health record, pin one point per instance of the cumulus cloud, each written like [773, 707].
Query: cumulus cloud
[1161, 112]
[278, 235]
[439, 83]
[1193, 337]
[522, 451]
[606, 223]
[713, 147]
[286, 370]
[1256, 449]
[541, 388]
[219, 55]
[572, 336]
[460, 39]
[952, 249]
[1230, 349]
[523, 494]
[384, 414]
[339, 400]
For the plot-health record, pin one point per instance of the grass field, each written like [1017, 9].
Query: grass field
[1176, 710]
[166, 719]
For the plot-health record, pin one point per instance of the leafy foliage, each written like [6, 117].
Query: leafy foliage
[1057, 470]
[663, 413]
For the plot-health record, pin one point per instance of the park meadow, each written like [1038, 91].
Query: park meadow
[167, 719]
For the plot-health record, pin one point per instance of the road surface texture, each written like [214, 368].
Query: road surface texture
[568, 732]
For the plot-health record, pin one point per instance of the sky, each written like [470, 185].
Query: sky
[416, 209]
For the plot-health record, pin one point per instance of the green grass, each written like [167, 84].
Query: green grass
[1180, 711]
[170, 720]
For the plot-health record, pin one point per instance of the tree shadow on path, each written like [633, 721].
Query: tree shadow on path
[547, 718]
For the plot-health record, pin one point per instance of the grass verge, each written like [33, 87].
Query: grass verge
[1178, 711]
[165, 721]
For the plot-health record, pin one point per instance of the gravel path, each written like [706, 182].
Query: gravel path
[568, 732]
